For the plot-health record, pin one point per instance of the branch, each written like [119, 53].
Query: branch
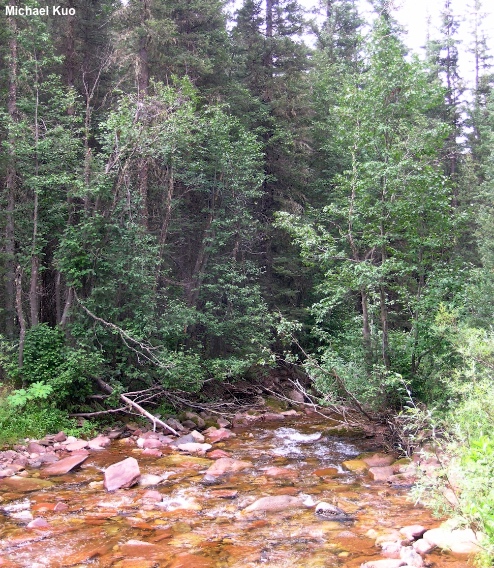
[106, 387]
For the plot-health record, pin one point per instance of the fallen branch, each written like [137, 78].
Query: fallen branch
[156, 421]
[98, 413]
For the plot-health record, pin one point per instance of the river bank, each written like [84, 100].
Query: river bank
[197, 499]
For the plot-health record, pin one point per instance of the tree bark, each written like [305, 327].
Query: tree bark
[10, 183]
[20, 314]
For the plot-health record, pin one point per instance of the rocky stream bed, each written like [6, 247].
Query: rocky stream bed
[278, 490]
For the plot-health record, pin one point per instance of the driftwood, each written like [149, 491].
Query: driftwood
[155, 420]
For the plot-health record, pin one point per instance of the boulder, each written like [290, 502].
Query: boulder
[358, 466]
[411, 557]
[122, 474]
[38, 523]
[99, 443]
[423, 547]
[281, 472]
[275, 503]
[23, 484]
[60, 437]
[412, 532]
[218, 434]
[458, 541]
[76, 446]
[35, 448]
[65, 465]
[379, 460]
[380, 473]
[152, 495]
[227, 465]
[151, 443]
[152, 452]
[217, 454]
[198, 437]
[223, 423]
[194, 448]
[149, 479]
[387, 563]
[296, 396]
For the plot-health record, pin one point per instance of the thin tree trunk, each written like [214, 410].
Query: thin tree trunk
[20, 313]
[34, 301]
[366, 331]
[10, 183]
[143, 88]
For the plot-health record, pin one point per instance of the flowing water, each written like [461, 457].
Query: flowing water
[201, 525]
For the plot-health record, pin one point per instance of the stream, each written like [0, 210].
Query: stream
[199, 522]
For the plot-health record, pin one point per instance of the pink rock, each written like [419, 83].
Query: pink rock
[412, 532]
[275, 503]
[75, 446]
[218, 434]
[282, 472]
[194, 448]
[388, 563]
[35, 448]
[122, 474]
[380, 473]
[60, 437]
[65, 465]
[99, 443]
[152, 452]
[227, 465]
[217, 454]
[379, 460]
[60, 507]
[152, 495]
[271, 416]
[48, 457]
[411, 557]
[391, 549]
[151, 443]
[223, 423]
[422, 547]
[38, 523]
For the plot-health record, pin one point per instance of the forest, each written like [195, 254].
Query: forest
[195, 194]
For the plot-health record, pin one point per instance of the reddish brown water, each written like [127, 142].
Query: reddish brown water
[196, 528]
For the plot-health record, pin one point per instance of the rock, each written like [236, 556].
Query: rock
[60, 437]
[331, 512]
[218, 434]
[326, 472]
[272, 416]
[296, 396]
[188, 424]
[76, 446]
[122, 474]
[187, 439]
[422, 547]
[7, 472]
[99, 443]
[391, 549]
[358, 466]
[223, 423]
[275, 503]
[60, 507]
[378, 460]
[151, 443]
[412, 532]
[380, 473]
[152, 495]
[224, 493]
[387, 536]
[387, 563]
[281, 473]
[48, 457]
[198, 437]
[458, 541]
[38, 523]
[148, 479]
[152, 452]
[24, 485]
[175, 424]
[217, 454]
[199, 422]
[194, 448]
[227, 465]
[411, 557]
[35, 448]
[65, 465]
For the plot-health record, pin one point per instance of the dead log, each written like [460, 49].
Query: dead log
[155, 421]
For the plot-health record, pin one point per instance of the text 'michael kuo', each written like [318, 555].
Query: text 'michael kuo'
[39, 11]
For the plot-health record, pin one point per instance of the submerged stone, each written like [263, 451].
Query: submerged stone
[24, 484]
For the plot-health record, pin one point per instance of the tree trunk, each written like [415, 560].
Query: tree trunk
[10, 183]
[20, 313]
